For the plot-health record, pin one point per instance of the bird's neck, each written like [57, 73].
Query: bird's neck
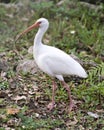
[39, 36]
[38, 45]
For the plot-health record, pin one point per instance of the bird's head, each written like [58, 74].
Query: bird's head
[41, 23]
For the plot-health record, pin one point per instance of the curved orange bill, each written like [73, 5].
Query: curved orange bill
[28, 29]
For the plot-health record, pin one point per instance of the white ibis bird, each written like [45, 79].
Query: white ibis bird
[53, 61]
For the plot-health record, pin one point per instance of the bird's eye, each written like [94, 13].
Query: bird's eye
[39, 22]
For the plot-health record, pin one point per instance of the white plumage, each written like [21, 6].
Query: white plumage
[53, 61]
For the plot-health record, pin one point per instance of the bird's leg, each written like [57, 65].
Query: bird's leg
[52, 103]
[65, 85]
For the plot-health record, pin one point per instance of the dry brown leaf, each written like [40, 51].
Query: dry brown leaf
[17, 98]
[30, 50]
[81, 127]
[38, 95]
[12, 111]
[71, 123]
[2, 117]
[100, 110]
[36, 88]
[3, 94]
[57, 128]
[27, 66]
[31, 92]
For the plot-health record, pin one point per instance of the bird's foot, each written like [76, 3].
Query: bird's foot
[51, 105]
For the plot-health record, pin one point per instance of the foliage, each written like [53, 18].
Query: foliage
[92, 88]
[4, 85]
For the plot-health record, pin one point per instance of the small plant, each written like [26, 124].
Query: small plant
[92, 89]
[4, 85]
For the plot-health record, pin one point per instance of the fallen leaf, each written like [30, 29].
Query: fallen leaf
[81, 127]
[17, 98]
[60, 2]
[3, 94]
[57, 128]
[30, 50]
[3, 66]
[3, 74]
[37, 115]
[100, 111]
[13, 123]
[31, 92]
[38, 95]
[2, 117]
[95, 115]
[12, 111]
[36, 88]
[27, 66]
[71, 123]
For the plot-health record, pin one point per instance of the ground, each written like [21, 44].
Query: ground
[25, 91]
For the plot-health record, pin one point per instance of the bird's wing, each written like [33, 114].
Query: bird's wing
[56, 62]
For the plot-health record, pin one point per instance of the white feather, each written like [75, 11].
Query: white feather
[54, 61]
